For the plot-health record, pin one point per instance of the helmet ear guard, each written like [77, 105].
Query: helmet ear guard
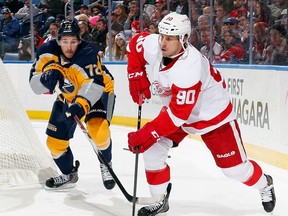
[175, 24]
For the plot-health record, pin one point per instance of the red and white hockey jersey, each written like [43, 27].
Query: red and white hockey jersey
[193, 91]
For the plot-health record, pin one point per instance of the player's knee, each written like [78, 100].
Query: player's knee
[155, 157]
[240, 172]
[56, 146]
[98, 129]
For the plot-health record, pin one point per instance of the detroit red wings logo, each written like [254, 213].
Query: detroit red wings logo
[162, 91]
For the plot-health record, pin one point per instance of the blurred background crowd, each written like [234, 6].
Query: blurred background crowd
[226, 31]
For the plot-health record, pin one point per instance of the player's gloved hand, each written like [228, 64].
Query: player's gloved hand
[50, 78]
[75, 109]
[143, 138]
[139, 86]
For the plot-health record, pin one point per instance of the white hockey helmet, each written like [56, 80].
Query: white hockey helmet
[175, 24]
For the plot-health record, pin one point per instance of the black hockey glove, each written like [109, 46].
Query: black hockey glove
[50, 78]
[75, 109]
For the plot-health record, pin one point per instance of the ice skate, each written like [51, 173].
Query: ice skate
[268, 195]
[64, 181]
[108, 180]
[158, 208]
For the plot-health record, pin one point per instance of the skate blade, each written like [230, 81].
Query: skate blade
[162, 214]
[63, 188]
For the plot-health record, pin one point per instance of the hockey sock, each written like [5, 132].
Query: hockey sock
[107, 153]
[65, 162]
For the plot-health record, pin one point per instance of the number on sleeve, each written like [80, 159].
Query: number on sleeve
[215, 73]
[93, 70]
[185, 97]
[139, 43]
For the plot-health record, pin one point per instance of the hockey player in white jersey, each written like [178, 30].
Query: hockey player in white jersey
[195, 101]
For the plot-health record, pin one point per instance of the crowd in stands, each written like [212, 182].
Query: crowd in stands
[222, 31]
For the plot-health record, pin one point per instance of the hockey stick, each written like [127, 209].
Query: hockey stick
[102, 159]
[138, 200]
[137, 156]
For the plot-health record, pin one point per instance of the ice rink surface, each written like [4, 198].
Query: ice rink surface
[198, 187]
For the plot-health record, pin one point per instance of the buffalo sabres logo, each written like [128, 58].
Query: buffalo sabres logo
[68, 87]
[162, 91]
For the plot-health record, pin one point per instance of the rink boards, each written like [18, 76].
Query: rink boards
[259, 95]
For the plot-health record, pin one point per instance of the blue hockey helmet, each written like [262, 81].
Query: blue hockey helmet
[69, 28]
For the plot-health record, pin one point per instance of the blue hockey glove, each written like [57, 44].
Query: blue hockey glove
[50, 78]
[75, 109]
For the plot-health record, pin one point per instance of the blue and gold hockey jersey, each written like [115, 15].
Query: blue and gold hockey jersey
[84, 75]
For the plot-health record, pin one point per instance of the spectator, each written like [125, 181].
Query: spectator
[24, 47]
[231, 23]
[106, 55]
[59, 18]
[262, 12]
[284, 19]
[9, 32]
[52, 7]
[221, 15]
[25, 12]
[24, 15]
[115, 25]
[195, 13]
[94, 11]
[164, 10]
[93, 24]
[203, 4]
[205, 49]
[243, 23]
[84, 31]
[148, 7]
[133, 15]
[244, 30]
[84, 10]
[14, 5]
[82, 17]
[207, 11]
[120, 14]
[156, 15]
[70, 15]
[44, 29]
[120, 40]
[53, 32]
[260, 42]
[99, 36]
[195, 39]
[233, 50]
[180, 7]
[203, 23]
[240, 7]
[277, 7]
[39, 40]
[98, 9]
[153, 28]
[277, 52]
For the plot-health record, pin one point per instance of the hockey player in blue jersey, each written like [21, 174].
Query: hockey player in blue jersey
[88, 89]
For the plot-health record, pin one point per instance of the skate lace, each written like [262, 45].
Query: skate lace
[61, 179]
[266, 194]
[105, 172]
[154, 206]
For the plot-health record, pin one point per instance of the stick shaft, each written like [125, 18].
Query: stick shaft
[137, 157]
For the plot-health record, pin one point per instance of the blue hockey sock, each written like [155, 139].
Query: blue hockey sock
[65, 162]
[107, 153]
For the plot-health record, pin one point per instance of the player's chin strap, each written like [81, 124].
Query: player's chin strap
[138, 200]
